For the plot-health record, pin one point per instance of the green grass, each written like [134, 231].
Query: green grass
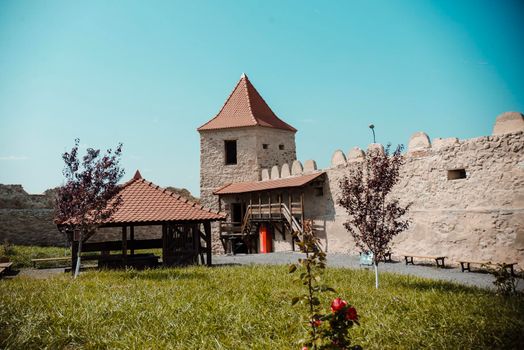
[245, 308]
[21, 255]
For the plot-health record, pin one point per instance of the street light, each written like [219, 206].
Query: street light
[372, 127]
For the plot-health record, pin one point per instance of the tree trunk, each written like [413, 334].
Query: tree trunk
[77, 269]
[376, 274]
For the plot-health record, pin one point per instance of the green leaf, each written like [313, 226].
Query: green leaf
[295, 300]
[292, 268]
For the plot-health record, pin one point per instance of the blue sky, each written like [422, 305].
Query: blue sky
[148, 73]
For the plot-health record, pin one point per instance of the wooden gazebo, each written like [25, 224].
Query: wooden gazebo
[185, 227]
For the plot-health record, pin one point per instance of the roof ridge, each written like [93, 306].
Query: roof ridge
[223, 106]
[246, 79]
[269, 108]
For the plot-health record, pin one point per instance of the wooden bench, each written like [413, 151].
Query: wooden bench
[465, 265]
[35, 261]
[5, 267]
[438, 259]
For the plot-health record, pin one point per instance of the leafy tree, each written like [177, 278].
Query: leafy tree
[375, 217]
[90, 193]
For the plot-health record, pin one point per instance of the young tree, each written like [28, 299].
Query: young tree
[375, 217]
[90, 193]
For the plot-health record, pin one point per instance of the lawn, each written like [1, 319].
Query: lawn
[245, 307]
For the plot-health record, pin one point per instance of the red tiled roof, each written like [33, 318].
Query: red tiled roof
[143, 201]
[245, 107]
[243, 187]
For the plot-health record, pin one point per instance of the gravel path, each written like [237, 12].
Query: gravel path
[477, 279]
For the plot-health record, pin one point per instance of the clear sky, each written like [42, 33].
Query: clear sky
[148, 73]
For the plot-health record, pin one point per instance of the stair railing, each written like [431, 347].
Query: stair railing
[284, 213]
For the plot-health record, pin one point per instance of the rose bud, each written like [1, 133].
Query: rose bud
[351, 314]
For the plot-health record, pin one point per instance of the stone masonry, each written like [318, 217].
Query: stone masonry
[251, 158]
[479, 216]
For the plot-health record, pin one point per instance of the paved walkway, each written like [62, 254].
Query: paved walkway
[477, 279]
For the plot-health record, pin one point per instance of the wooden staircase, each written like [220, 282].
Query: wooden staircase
[283, 218]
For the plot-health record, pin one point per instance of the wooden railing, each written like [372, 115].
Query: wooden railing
[268, 212]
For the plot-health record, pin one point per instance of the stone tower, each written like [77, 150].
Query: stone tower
[244, 137]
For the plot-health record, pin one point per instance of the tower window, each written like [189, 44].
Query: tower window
[231, 151]
[265, 145]
[281, 147]
[456, 174]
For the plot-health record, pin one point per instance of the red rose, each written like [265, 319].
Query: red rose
[305, 348]
[338, 304]
[351, 314]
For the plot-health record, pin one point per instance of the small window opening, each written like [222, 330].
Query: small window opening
[265, 145]
[319, 191]
[231, 151]
[281, 147]
[456, 174]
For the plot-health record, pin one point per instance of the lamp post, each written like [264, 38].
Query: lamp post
[372, 127]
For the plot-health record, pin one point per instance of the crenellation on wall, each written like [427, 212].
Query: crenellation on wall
[275, 172]
[419, 141]
[338, 159]
[285, 171]
[296, 168]
[480, 216]
[310, 166]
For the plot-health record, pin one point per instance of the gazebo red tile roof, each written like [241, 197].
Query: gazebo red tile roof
[143, 201]
[288, 182]
[245, 107]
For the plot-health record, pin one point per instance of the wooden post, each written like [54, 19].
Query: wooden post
[302, 208]
[259, 206]
[124, 245]
[132, 238]
[280, 206]
[74, 254]
[164, 243]
[290, 197]
[269, 206]
[207, 231]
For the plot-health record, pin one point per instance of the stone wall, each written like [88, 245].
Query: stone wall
[27, 219]
[478, 217]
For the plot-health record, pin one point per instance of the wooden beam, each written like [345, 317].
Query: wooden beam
[117, 245]
[124, 244]
[207, 231]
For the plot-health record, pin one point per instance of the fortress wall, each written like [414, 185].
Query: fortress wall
[30, 227]
[480, 217]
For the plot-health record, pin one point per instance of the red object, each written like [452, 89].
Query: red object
[265, 239]
[245, 107]
[338, 304]
[143, 201]
[351, 314]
